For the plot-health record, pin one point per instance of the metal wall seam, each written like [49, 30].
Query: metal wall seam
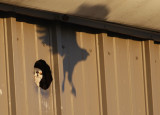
[57, 59]
[4, 102]
[20, 71]
[9, 34]
[101, 72]
[147, 77]
[153, 77]
[53, 68]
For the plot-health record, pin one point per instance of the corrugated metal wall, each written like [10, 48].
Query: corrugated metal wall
[93, 73]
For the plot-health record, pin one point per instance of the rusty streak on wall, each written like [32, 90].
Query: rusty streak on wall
[94, 73]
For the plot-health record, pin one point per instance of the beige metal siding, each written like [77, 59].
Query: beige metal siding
[154, 64]
[80, 79]
[3, 78]
[93, 73]
[26, 50]
[123, 66]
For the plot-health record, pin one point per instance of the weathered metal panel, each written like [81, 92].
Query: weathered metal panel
[30, 57]
[122, 77]
[154, 72]
[136, 77]
[20, 71]
[27, 48]
[94, 73]
[10, 34]
[79, 85]
[4, 102]
[123, 66]
[147, 77]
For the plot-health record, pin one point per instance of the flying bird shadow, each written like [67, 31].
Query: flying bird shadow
[71, 52]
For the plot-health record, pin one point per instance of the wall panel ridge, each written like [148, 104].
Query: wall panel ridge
[10, 34]
[4, 100]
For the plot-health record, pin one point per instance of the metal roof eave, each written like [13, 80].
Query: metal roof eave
[147, 34]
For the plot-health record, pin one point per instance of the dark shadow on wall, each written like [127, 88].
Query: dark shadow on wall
[71, 52]
[97, 12]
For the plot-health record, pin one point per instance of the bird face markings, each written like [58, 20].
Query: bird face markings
[38, 75]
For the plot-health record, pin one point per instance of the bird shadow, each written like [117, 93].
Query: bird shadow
[70, 51]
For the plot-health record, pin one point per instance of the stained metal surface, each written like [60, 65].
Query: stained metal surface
[93, 73]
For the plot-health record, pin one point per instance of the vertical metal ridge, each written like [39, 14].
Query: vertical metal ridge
[116, 76]
[53, 71]
[35, 38]
[130, 76]
[5, 61]
[36, 51]
[72, 101]
[24, 66]
[39, 101]
[9, 27]
[72, 106]
[56, 43]
[79, 35]
[147, 77]
[144, 78]
[101, 73]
